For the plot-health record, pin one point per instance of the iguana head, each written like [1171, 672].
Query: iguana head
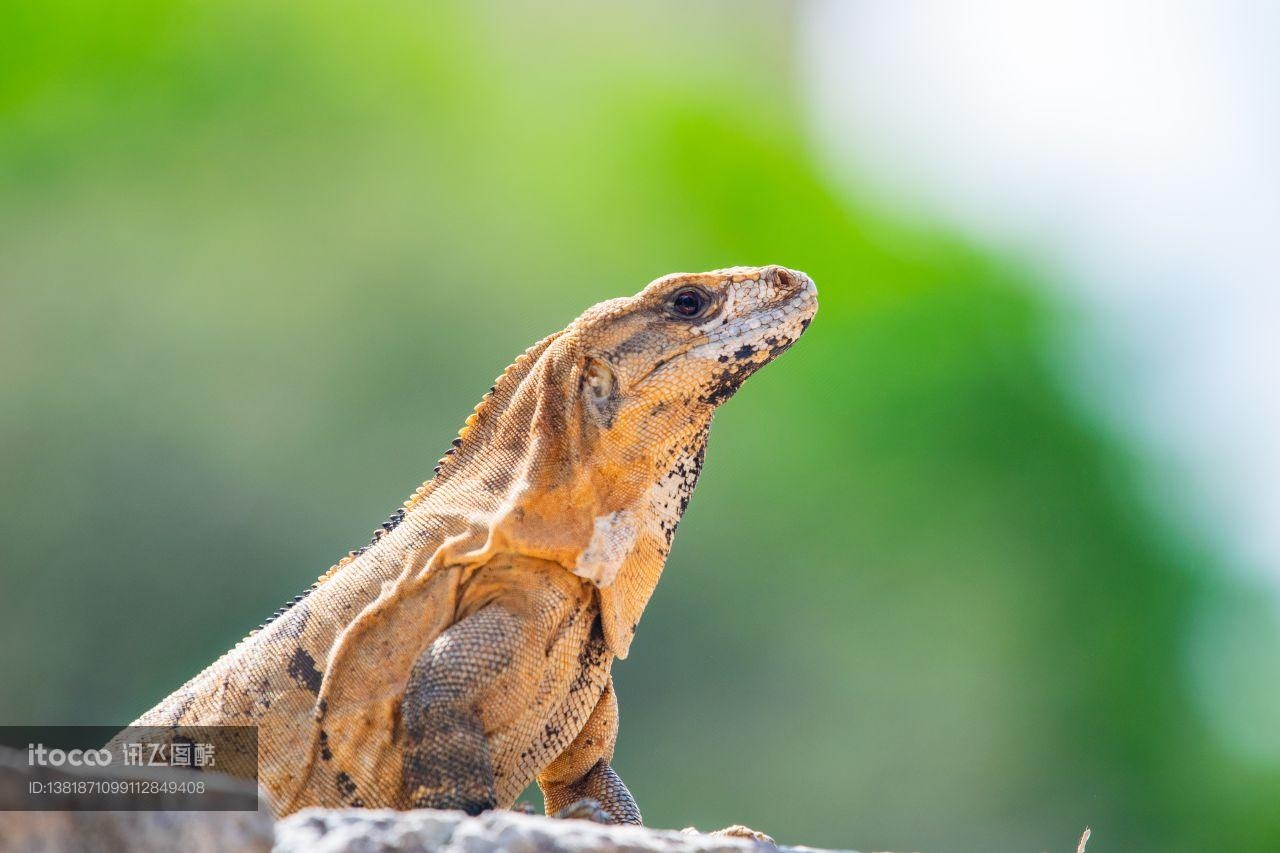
[590, 444]
[684, 344]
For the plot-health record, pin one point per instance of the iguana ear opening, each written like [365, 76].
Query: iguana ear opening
[599, 389]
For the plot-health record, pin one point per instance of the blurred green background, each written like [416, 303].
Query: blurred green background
[258, 261]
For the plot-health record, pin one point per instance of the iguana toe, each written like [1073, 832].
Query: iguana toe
[740, 831]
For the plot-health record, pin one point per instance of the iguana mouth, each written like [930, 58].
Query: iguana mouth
[661, 363]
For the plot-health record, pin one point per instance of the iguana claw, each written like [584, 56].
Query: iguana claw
[584, 809]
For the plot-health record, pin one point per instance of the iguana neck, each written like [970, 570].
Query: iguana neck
[531, 475]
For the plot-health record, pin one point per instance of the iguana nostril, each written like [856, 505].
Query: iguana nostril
[786, 279]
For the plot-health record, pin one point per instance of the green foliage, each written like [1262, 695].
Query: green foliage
[258, 261]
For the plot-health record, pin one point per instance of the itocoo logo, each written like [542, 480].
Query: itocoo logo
[39, 755]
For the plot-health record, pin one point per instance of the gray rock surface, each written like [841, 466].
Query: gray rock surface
[428, 831]
[146, 832]
[110, 831]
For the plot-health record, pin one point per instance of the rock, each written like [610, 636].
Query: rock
[119, 832]
[429, 831]
[311, 830]
[111, 831]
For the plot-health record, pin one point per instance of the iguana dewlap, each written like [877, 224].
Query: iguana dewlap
[467, 650]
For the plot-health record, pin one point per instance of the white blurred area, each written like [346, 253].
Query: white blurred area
[1131, 150]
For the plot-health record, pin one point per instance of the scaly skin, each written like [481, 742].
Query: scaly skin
[467, 651]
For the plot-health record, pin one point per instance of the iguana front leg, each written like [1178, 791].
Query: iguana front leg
[582, 771]
[446, 759]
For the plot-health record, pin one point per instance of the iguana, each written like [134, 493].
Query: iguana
[466, 651]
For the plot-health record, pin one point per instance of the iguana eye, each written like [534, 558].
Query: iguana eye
[689, 303]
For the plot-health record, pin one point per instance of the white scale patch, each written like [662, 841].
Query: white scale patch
[614, 536]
